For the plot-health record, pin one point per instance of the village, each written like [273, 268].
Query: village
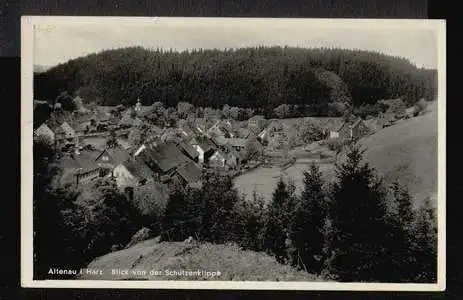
[97, 144]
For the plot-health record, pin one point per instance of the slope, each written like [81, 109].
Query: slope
[232, 263]
[407, 152]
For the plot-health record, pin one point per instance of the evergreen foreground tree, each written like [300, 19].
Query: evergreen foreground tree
[359, 227]
[279, 219]
[309, 222]
[403, 234]
[425, 243]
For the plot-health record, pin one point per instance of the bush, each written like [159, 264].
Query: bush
[334, 144]
[369, 110]
[420, 107]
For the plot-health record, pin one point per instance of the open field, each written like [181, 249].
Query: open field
[407, 152]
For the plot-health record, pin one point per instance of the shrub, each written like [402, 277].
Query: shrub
[334, 144]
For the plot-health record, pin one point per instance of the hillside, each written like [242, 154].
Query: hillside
[229, 260]
[261, 78]
[407, 151]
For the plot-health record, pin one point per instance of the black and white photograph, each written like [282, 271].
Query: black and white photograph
[227, 153]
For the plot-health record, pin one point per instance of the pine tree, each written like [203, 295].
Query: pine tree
[403, 261]
[310, 220]
[278, 222]
[172, 225]
[425, 243]
[358, 224]
[217, 209]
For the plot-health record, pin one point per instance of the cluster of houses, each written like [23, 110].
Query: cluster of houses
[169, 155]
[158, 160]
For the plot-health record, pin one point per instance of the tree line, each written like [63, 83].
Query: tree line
[318, 82]
[354, 229]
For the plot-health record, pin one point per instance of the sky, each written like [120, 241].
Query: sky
[58, 42]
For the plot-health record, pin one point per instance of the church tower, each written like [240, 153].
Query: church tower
[138, 106]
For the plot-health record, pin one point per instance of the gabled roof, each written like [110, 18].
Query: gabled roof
[219, 153]
[138, 169]
[236, 142]
[205, 143]
[165, 155]
[117, 155]
[189, 149]
[190, 172]
[43, 127]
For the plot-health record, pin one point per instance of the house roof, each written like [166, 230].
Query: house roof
[257, 118]
[85, 160]
[190, 172]
[185, 129]
[236, 142]
[145, 111]
[137, 168]
[220, 140]
[165, 155]
[205, 143]
[124, 144]
[43, 127]
[39, 102]
[189, 149]
[118, 155]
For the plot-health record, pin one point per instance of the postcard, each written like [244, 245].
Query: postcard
[233, 153]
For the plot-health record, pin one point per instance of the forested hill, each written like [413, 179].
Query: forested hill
[260, 77]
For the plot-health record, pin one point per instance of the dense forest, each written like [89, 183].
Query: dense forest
[322, 80]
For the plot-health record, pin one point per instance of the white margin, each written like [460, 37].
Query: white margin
[27, 46]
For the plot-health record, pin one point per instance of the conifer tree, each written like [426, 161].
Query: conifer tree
[279, 219]
[172, 225]
[309, 222]
[403, 261]
[217, 208]
[359, 225]
[425, 243]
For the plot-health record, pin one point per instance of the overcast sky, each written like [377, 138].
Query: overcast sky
[57, 43]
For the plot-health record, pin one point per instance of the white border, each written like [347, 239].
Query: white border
[27, 25]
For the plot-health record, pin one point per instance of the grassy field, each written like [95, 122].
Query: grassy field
[232, 263]
[407, 152]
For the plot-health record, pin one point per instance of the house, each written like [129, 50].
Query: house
[233, 158]
[81, 165]
[188, 150]
[189, 174]
[43, 131]
[217, 160]
[109, 158]
[64, 132]
[237, 143]
[257, 122]
[162, 158]
[350, 130]
[264, 135]
[204, 146]
[132, 173]
[223, 128]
